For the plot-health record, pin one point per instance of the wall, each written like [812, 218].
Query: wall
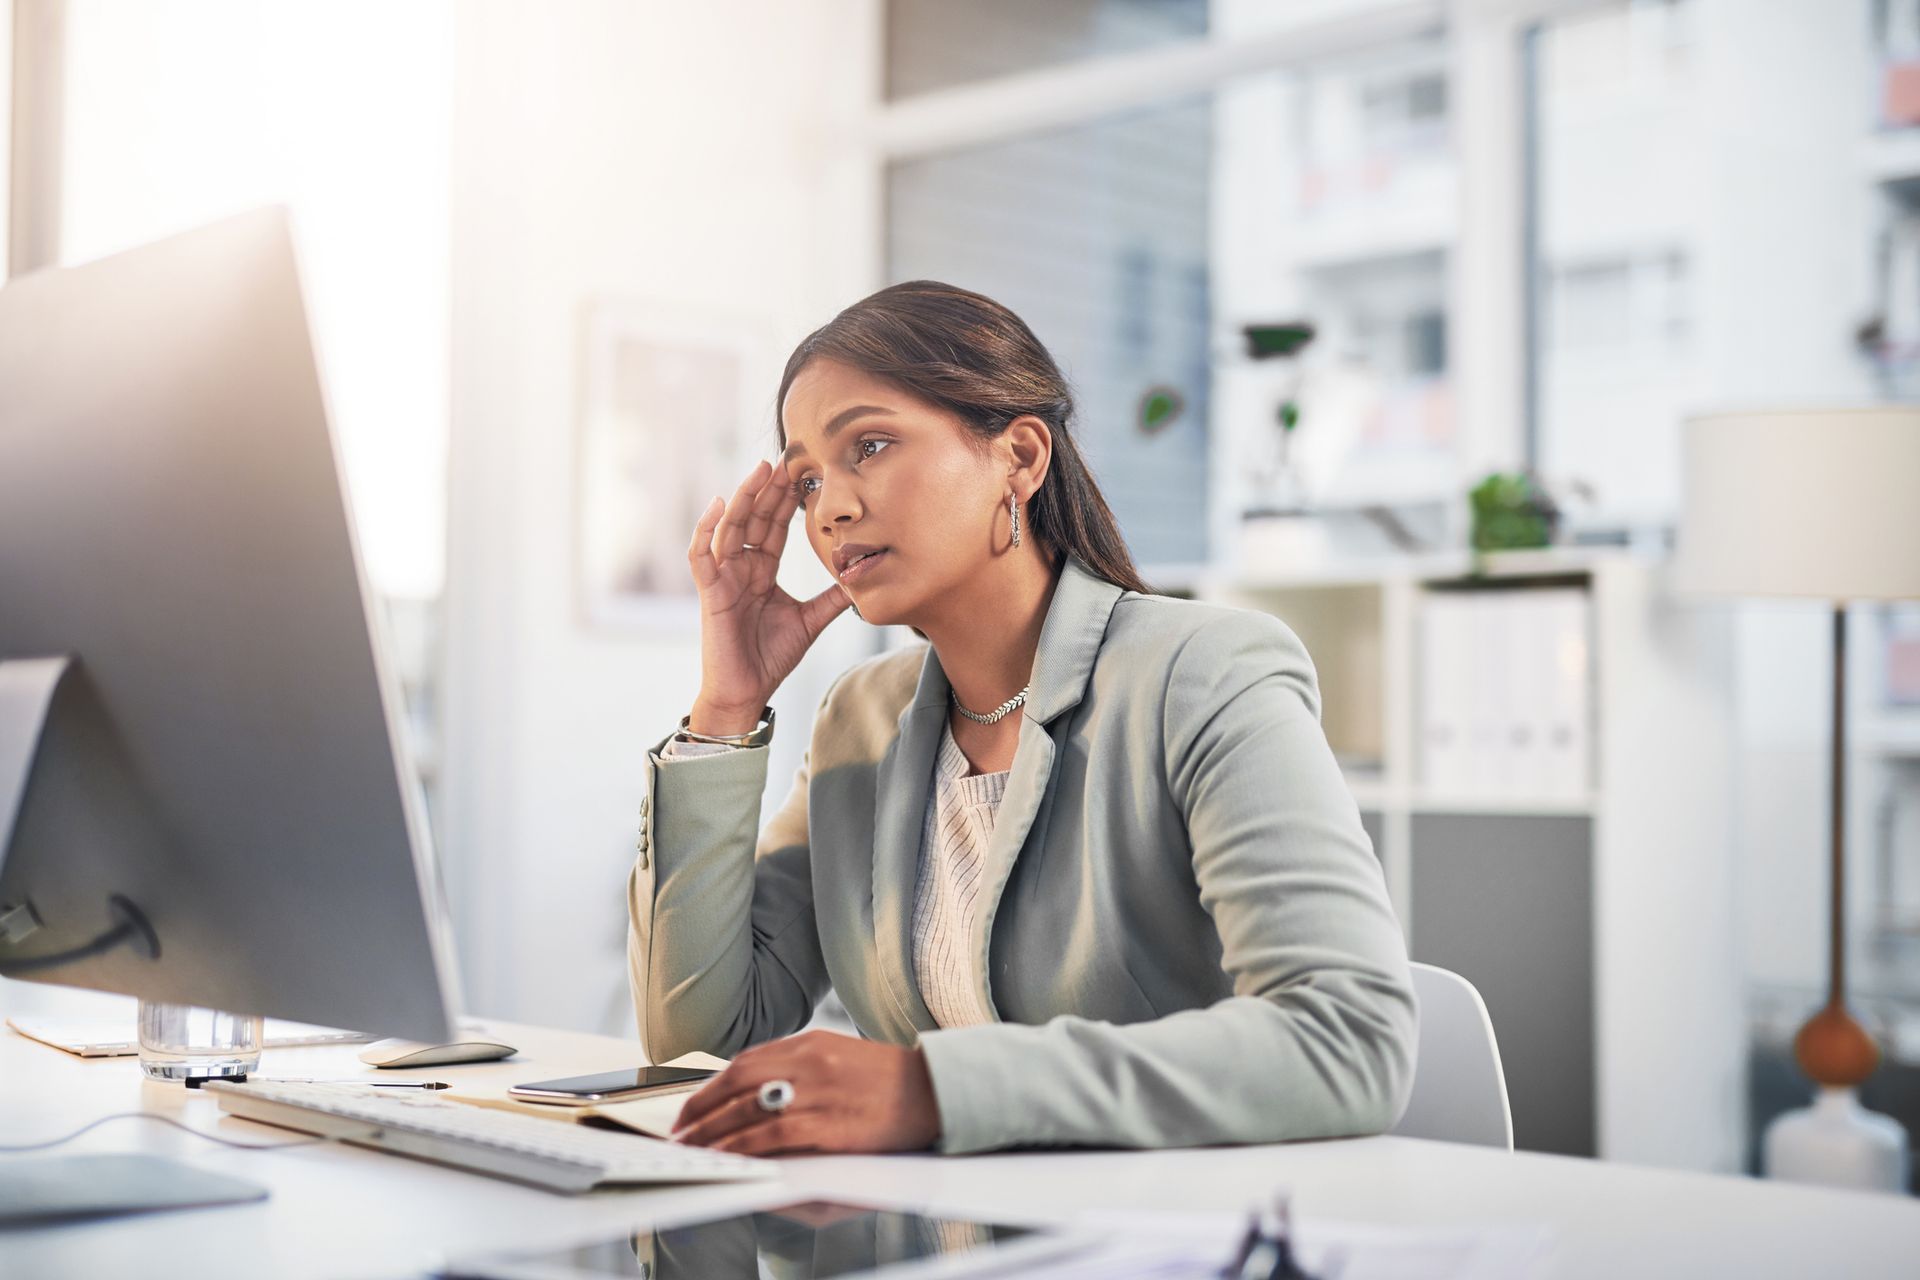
[695, 155]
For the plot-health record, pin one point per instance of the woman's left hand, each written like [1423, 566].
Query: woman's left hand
[848, 1095]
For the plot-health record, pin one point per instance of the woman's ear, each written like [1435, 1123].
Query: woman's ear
[1028, 446]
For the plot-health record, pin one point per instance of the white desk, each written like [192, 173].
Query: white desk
[341, 1211]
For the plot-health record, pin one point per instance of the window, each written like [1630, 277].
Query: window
[937, 44]
[178, 114]
[1620, 179]
[1140, 241]
[1098, 238]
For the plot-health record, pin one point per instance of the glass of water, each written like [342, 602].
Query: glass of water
[185, 1042]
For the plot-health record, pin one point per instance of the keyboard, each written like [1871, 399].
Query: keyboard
[560, 1155]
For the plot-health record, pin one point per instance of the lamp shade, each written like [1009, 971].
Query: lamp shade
[1802, 502]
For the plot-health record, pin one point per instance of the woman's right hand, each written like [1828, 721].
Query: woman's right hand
[752, 633]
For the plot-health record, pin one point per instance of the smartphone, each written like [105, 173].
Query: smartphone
[610, 1086]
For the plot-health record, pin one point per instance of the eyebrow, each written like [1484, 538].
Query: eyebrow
[840, 420]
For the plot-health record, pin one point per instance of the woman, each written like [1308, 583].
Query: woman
[1081, 867]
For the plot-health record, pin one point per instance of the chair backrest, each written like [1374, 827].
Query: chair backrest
[1459, 1090]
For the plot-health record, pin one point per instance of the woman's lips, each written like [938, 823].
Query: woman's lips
[862, 567]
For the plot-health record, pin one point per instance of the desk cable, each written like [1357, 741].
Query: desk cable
[130, 927]
[184, 1128]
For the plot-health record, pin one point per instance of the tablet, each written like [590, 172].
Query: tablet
[810, 1240]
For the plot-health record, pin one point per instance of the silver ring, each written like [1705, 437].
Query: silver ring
[776, 1096]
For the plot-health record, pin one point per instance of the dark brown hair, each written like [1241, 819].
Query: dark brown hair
[977, 360]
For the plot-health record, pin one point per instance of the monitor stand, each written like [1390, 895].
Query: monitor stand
[27, 688]
[29, 691]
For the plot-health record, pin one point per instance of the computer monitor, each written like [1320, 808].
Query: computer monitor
[200, 751]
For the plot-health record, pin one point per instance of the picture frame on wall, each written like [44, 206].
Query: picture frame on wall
[675, 402]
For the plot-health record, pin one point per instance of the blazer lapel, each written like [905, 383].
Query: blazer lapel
[902, 784]
[1063, 663]
[1070, 639]
[1019, 803]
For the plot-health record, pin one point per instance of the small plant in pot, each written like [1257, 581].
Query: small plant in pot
[1511, 512]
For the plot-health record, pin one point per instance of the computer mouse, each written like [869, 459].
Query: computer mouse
[419, 1053]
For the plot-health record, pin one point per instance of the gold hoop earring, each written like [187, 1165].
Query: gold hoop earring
[1013, 515]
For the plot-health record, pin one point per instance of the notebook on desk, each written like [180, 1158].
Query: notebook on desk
[96, 1039]
[652, 1115]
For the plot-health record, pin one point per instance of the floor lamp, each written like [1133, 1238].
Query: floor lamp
[1823, 504]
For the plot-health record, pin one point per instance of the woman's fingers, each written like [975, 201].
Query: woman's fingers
[785, 1134]
[740, 1078]
[782, 520]
[736, 1112]
[700, 551]
[823, 608]
[768, 500]
[732, 531]
[703, 1102]
[726, 536]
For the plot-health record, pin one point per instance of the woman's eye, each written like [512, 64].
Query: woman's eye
[799, 486]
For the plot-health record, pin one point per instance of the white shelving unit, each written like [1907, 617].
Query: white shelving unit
[1571, 914]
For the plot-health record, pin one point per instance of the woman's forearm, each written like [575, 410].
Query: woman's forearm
[722, 950]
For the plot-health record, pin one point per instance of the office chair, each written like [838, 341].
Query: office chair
[1459, 1090]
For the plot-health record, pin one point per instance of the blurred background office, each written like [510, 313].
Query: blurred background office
[1345, 287]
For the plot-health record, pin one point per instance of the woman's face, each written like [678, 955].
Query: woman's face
[879, 468]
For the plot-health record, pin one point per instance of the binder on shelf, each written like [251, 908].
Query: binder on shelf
[1504, 694]
[1529, 692]
[1445, 692]
[1567, 753]
[1490, 726]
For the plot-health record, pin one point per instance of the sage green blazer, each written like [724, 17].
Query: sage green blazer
[1185, 935]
